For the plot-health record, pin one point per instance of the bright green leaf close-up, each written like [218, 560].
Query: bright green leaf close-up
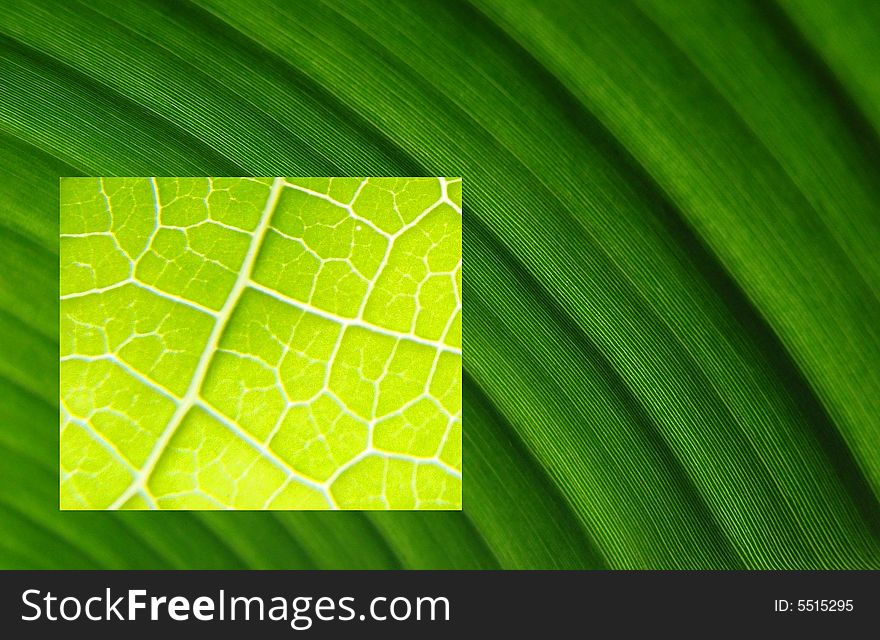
[259, 343]
[670, 235]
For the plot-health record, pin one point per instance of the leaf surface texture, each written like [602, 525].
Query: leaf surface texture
[673, 354]
[261, 343]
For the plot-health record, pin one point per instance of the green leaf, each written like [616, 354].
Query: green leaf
[673, 354]
[260, 344]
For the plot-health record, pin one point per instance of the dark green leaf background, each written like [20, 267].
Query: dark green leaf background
[672, 249]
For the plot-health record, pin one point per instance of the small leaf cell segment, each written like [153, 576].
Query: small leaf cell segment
[260, 343]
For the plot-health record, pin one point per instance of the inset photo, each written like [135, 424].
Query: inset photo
[261, 343]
